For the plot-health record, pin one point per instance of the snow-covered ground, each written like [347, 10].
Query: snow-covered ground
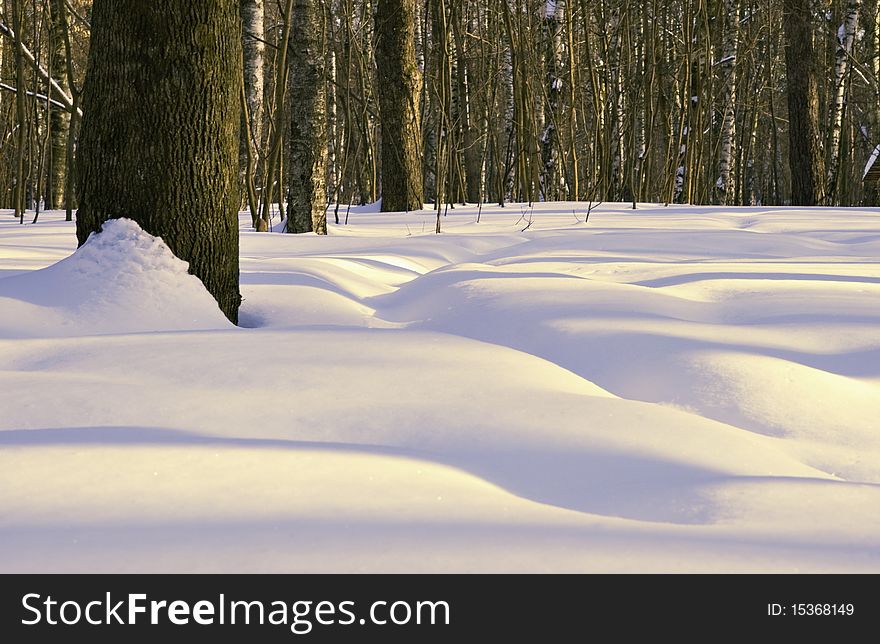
[667, 389]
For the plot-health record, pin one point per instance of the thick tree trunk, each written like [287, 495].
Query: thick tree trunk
[805, 151]
[160, 129]
[399, 83]
[307, 165]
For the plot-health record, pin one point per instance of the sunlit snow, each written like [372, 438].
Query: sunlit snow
[665, 389]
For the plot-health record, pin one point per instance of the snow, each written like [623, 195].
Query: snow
[665, 389]
[121, 280]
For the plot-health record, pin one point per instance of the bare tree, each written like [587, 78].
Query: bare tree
[805, 151]
[307, 166]
[399, 83]
[846, 36]
[728, 65]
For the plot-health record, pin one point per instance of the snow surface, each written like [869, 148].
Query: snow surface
[666, 389]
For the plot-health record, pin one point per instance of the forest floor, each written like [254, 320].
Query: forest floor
[667, 389]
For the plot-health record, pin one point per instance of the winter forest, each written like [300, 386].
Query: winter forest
[732, 102]
[440, 285]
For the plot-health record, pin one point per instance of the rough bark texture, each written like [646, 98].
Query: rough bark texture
[307, 165]
[159, 141]
[805, 151]
[399, 83]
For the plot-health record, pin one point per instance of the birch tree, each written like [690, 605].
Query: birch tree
[253, 70]
[846, 35]
[728, 65]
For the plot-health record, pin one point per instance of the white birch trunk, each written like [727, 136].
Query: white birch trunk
[724, 185]
[253, 56]
[846, 37]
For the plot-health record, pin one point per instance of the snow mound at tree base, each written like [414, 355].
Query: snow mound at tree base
[122, 280]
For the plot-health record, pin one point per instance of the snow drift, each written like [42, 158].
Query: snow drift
[122, 280]
[670, 389]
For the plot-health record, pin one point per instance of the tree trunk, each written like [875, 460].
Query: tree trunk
[805, 152]
[846, 36]
[160, 129]
[399, 83]
[725, 184]
[20, 115]
[59, 125]
[307, 166]
[551, 178]
[470, 134]
[253, 56]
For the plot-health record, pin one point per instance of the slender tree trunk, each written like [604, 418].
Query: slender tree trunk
[845, 38]
[20, 115]
[725, 184]
[59, 119]
[552, 180]
[307, 165]
[276, 135]
[574, 182]
[470, 134]
[70, 148]
[805, 152]
[160, 131]
[333, 129]
[253, 57]
[399, 83]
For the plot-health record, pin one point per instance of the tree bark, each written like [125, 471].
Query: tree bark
[253, 56]
[399, 83]
[725, 184]
[160, 129]
[307, 166]
[805, 152]
[845, 39]
[20, 115]
[59, 126]
[552, 180]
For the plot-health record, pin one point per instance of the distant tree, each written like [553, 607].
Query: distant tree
[160, 128]
[253, 57]
[725, 184]
[59, 118]
[400, 83]
[693, 101]
[805, 151]
[307, 166]
[846, 36]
